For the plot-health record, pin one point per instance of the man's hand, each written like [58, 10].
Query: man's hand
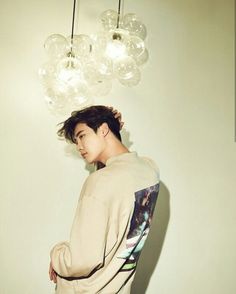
[52, 273]
[117, 115]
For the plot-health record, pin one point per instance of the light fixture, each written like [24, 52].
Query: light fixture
[63, 76]
[81, 67]
[122, 43]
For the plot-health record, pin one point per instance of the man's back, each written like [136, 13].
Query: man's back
[111, 224]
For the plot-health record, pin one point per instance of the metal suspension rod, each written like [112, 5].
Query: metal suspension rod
[73, 24]
[118, 18]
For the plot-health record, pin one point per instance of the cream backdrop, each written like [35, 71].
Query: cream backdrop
[181, 114]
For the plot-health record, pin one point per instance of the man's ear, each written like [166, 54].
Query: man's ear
[104, 129]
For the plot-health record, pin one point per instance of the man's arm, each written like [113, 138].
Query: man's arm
[86, 249]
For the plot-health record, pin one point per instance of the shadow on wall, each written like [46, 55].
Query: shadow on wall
[152, 249]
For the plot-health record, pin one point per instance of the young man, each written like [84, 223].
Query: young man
[114, 211]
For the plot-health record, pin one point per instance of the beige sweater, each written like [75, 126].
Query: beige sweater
[111, 224]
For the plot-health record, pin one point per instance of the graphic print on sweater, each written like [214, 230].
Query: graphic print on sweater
[145, 201]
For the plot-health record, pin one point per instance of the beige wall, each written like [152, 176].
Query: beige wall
[181, 114]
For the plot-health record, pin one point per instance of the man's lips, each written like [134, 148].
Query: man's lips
[83, 154]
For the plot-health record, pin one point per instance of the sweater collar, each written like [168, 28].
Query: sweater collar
[120, 157]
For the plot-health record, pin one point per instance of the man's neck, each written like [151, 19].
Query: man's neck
[113, 148]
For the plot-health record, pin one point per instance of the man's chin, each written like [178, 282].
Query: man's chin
[89, 161]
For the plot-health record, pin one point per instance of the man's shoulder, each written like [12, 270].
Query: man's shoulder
[151, 163]
[109, 176]
[96, 178]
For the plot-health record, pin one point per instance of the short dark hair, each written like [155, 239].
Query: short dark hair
[94, 117]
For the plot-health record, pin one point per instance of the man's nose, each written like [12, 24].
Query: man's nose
[79, 146]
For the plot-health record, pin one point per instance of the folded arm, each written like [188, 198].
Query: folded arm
[86, 249]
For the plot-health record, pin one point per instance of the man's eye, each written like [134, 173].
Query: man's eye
[81, 136]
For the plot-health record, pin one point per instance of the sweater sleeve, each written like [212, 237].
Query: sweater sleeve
[86, 249]
[153, 165]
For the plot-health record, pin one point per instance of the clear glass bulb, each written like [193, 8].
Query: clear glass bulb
[132, 80]
[116, 46]
[132, 23]
[55, 101]
[61, 98]
[125, 68]
[56, 87]
[98, 83]
[115, 49]
[69, 71]
[135, 46]
[47, 72]
[80, 94]
[105, 66]
[80, 102]
[80, 45]
[109, 19]
[99, 42]
[142, 58]
[56, 46]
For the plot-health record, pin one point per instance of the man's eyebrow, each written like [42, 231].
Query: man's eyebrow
[78, 133]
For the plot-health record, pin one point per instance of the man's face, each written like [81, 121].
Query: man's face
[90, 144]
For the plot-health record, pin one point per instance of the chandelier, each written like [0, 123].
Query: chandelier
[81, 67]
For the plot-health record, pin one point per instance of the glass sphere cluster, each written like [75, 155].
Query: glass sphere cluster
[82, 66]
